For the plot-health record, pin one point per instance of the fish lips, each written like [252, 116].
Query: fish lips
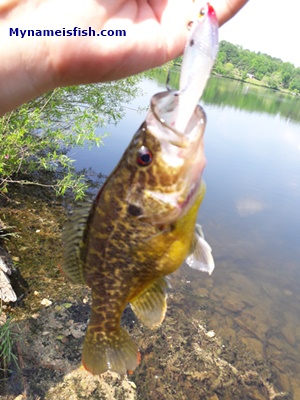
[178, 148]
[161, 120]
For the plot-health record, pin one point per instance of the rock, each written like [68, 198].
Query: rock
[78, 330]
[253, 345]
[297, 333]
[234, 305]
[276, 342]
[296, 393]
[284, 382]
[213, 397]
[230, 300]
[210, 334]
[46, 302]
[272, 291]
[289, 317]
[132, 384]
[81, 384]
[227, 333]
[257, 395]
[288, 332]
[7, 293]
[203, 292]
[214, 322]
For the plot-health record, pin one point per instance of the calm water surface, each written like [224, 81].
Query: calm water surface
[250, 214]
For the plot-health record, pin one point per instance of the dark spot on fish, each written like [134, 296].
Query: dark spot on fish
[172, 226]
[167, 228]
[133, 210]
[192, 42]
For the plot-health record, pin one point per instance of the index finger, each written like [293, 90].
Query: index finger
[226, 9]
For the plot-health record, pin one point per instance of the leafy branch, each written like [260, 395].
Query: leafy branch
[37, 136]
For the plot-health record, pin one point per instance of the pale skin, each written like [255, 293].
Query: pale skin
[156, 33]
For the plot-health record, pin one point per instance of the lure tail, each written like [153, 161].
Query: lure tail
[112, 350]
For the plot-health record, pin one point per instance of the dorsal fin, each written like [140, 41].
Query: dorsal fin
[74, 244]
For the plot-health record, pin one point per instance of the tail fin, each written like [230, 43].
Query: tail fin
[112, 351]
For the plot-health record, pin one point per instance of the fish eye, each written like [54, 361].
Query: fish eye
[144, 156]
[201, 13]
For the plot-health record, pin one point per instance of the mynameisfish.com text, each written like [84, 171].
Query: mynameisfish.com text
[65, 32]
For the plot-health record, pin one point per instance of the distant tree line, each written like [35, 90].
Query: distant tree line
[235, 62]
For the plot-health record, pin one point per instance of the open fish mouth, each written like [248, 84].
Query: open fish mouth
[164, 107]
[181, 155]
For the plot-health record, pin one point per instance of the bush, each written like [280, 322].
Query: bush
[37, 136]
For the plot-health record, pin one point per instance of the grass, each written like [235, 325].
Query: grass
[4, 231]
[7, 339]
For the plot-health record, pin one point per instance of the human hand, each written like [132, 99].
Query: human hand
[155, 33]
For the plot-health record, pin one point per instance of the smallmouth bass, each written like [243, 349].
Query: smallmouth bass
[140, 228]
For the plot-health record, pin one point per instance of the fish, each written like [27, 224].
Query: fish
[140, 228]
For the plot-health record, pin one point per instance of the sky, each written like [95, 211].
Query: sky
[271, 27]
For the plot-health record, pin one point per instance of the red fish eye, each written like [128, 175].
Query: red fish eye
[144, 156]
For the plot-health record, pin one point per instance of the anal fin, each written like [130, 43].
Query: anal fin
[150, 306]
[201, 255]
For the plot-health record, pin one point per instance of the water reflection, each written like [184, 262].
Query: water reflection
[223, 92]
[250, 216]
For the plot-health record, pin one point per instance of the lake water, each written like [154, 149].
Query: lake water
[250, 215]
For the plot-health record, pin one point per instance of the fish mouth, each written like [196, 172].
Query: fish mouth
[189, 198]
[164, 108]
[182, 151]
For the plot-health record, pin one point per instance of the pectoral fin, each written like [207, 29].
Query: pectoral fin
[201, 257]
[150, 307]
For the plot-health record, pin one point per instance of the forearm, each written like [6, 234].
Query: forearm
[25, 71]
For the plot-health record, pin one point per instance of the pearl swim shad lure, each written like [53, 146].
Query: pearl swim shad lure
[142, 224]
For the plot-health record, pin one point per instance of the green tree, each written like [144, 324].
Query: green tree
[228, 69]
[275, 80]
[37, 136]
[273, 71]
[295, 84]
